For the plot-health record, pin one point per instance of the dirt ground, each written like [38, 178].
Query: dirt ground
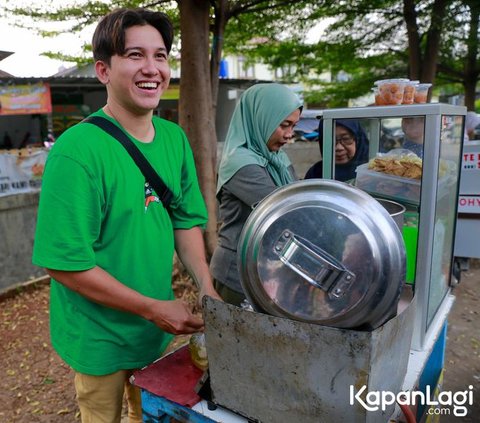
[462, 356]
[36, 386]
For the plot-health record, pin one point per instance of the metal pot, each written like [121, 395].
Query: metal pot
[395, 210]
[324, 252]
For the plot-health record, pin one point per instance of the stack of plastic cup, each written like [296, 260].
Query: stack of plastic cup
[400, 91]
[390, 91]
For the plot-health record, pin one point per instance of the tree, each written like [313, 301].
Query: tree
[199, 81]
[460, 59]
[367, 40]
[371, 40]
[196, 104]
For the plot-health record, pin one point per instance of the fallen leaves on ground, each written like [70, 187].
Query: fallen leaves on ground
[36, 386]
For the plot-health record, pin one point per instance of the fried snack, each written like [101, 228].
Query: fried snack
[412, 170]
[405, 166]
[389, 91]
[421, 93]
[409, 92]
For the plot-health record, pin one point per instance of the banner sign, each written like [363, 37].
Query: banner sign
[21, 172]
[25, 99]
[66, 115]
[469, 204]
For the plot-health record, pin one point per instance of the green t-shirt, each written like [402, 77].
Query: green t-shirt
[96, 210]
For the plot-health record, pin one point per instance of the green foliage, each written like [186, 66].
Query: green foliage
[75, 17]
[363, 40]
[367, 40]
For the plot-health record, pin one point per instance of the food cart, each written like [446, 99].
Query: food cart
[468, 223]
[265, 367]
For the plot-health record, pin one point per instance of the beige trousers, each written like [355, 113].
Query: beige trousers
[100, 398]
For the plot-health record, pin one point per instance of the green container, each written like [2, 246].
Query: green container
[410, 237]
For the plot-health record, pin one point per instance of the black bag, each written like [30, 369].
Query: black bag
[152, 177]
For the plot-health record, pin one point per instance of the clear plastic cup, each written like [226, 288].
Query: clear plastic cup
[198, 351]
[390, 91]
[378, 99]
[409, 92]
[421, 93]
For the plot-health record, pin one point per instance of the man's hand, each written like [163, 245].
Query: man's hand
[176, 317]
[97, 285]
[207, 289]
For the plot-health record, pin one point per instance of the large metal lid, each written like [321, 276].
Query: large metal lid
[324, 252]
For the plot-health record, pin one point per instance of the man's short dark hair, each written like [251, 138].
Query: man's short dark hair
[109, 36]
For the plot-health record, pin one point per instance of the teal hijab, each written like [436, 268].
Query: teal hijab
[260, 111]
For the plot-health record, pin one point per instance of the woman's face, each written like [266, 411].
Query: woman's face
[345, 145]
[284, 132]
[413, 128]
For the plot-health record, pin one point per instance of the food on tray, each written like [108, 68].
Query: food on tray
[388, 185]
[407, 165]
[398, 173]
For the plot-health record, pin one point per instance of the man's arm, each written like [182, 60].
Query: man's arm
[191, 251]
[99, 286]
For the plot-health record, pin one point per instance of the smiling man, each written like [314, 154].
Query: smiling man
[104, 235]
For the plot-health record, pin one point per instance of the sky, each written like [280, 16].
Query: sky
[28, 46]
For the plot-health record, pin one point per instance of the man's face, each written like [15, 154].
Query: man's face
[137, 79]
[284, 132]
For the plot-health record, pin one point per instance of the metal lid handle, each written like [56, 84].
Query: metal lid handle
[313, 264]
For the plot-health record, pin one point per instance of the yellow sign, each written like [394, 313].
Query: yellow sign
[171, 93]
[25, 99]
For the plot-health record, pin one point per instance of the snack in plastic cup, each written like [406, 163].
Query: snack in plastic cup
[409, 92]
[390, 91]
[378, 98]
[421, 93]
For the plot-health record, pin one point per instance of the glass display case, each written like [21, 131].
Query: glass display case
[414, 158]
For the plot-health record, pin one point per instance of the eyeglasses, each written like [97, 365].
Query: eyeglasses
[346, 140]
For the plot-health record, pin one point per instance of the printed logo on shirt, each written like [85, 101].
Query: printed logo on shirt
[150, 196]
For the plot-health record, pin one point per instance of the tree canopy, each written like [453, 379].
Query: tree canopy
[363, 40]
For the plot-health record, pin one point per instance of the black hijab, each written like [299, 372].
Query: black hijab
[343, 172]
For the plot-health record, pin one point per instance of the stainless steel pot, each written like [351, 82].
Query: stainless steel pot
[324, 252]
[395, 210]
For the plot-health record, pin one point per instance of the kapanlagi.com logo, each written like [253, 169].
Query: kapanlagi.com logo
[380, 400]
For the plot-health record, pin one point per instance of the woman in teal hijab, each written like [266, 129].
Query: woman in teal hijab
[252, 166]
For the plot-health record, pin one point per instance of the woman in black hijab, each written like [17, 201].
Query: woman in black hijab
[351, 150]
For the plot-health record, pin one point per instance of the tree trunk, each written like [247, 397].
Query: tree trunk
[196, 106]
[414, 50]
[472, 69]
[217, 46]
[429, 65]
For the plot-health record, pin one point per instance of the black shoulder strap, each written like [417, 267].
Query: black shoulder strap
[152, 177]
